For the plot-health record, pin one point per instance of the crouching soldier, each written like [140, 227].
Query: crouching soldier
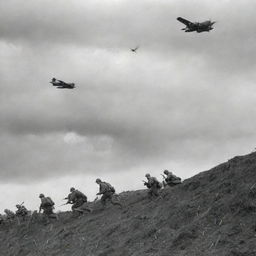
[47, 205]
[78, 201]
[170, 179]
[21, 211]
[153, 185]
[107, 191]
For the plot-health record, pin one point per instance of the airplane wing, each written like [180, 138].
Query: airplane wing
[61, 82]
[184, 21]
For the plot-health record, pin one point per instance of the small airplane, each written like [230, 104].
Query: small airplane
[135, 49]
[62, 85]
[199, 27]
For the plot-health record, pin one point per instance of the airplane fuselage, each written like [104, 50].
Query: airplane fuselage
[63, 85]
[199, 27]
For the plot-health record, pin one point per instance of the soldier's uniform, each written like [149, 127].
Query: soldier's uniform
[22, 211]
[107, 191]
[171, 179]
[47, 205]
[153, 185]
[78, 201]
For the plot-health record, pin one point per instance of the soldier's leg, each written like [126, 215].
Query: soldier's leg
[150, 192]
[155, 191]
[50, 214]
[103, 199]
[75, 205]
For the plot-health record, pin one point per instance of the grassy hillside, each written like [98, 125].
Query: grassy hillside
[212, 213]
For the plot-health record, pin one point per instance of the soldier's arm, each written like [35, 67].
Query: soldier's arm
[100, 192]
[102, 189]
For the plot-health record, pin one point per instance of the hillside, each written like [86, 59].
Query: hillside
[212, 213]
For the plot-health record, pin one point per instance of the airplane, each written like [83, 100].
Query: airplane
[135, 49]
[62, 85]
[199, 27]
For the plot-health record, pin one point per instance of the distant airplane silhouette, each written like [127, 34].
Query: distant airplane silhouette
[62, 85]
[199, 27]
[135, 49]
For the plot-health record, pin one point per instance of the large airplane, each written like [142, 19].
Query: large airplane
[62, 85]
[199, 27]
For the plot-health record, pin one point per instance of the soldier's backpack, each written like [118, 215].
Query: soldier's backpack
[81, 195]
[155, 182]
[48, 202]
[110, 188]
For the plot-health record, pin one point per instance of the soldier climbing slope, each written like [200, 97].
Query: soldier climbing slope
[107, 191]
[21, 211]
[47, 205]
[78, 201]
[153, 185]
[171, 179]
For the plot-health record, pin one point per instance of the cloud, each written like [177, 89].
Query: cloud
[184, 100]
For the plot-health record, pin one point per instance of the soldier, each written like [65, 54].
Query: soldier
[171, 179]
[78, 201]
[9, 215]
[47, 205]
[153, 185]
[107, 191]
[21, 211]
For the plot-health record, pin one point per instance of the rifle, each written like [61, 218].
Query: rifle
[163, 176]
[21, 204]
[64, 204]
[146, 183]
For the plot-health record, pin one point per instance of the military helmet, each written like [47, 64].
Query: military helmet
[166, 171]
[72, 189]
[41, 195]
[98, 180]
[147, 175]
[53, 79]
[18, 206]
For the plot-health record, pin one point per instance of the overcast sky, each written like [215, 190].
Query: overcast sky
[184, 102]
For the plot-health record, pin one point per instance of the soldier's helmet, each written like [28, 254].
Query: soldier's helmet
[18, 206]
[53, 79]
[166, 172]
[41, 195]
[147, 175]
[98, 180]
[72, 189]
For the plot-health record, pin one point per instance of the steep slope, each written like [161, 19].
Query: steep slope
[212, 213]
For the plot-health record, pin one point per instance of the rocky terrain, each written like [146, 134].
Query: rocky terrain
[212, 213]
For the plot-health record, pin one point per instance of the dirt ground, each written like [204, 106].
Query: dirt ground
[212, 213]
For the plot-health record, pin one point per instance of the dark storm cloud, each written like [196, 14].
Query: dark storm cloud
[182, 97]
